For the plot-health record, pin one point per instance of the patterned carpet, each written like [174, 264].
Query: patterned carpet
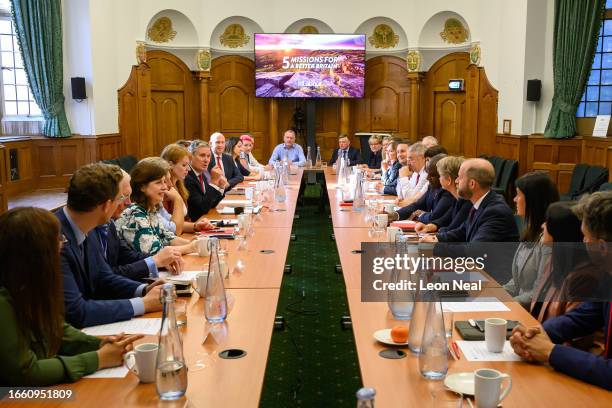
[312, 363]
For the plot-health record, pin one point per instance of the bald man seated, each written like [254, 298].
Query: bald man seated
[490, 219]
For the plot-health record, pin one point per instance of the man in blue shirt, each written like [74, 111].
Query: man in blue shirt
[289, 149]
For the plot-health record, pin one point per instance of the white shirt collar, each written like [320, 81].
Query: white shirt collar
[477, 203]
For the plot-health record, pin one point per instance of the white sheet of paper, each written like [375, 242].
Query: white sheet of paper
[602, 122]
[184, 277]
[254, 210]
[226, 210]
[483, 304]
[477, 351]
[114, 372]
[235, 203]
[135, 326]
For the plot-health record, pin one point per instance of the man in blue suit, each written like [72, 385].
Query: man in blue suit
[223, 161]
[206, 188]
[345, 150]
[490, 219]
[545, 344]
[93, 293]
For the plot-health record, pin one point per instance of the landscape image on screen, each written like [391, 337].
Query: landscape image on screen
[309, 65]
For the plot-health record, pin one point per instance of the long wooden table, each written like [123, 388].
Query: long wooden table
[212, 381]
[398, 383]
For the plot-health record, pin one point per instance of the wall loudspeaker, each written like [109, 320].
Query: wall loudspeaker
[534, 89]
[78, 88]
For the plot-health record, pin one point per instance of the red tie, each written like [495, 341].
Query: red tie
[202, 182]
[219, 162]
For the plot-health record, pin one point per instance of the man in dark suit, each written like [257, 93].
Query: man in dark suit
[490, 219]
[345, 150]
[545, 344]
[93, 294]
[127, 262]
[224, 161]
[206, 189]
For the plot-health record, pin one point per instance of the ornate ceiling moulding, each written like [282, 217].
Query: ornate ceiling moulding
[161, 31]
[309, 29]
[383, 37]
[413, 61]
[203, 59]
[454, 32]
[234, 36]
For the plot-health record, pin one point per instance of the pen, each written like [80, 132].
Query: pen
[452, 352]
[456, 349]
[475, 325]
[480, 328]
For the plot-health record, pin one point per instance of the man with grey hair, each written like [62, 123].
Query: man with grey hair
[414, 186]
[490, 219]
[223, 161]
[289, 150]
[429, 141]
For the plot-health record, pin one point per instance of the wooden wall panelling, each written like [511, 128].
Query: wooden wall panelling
[487, 114]
[202, 80]
[513, 147]
[328, 122]
[175, 108]
[234, 110]
[3, 180]
[25, 170]
[57, 160]
[557, 157]
[135, 123]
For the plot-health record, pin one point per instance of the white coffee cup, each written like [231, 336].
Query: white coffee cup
[487, 387]
[495, 334]
[202, 245]
[389, 208]
[381, 221]
[199, 283]
[141, 361]
[392, 233]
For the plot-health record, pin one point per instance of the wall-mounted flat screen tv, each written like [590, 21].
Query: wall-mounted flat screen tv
[309, 65]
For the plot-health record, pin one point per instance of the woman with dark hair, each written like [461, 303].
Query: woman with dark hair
[569, 276]
[535, 191]
[233, 147]
[140, 224]
[37, 347]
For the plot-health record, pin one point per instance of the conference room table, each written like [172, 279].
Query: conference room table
[254, 292]
[398, 382]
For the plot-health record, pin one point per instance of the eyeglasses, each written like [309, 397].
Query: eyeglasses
[122, 198]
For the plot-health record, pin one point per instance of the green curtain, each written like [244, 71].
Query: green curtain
[38, 25]
[577, 24]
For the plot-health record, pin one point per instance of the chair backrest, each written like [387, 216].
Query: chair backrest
[577, 180]
[605, 187]
[508, 175]
[111, 161]
[595, 176]
[127, 163]
[498, 164]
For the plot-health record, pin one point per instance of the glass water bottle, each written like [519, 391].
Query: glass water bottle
[358, 195]
[433, 359]
[280, 195]
[215, 302]
[171, 371]
[401, 302]
[365, 397]
[308, 158]
[318, 160]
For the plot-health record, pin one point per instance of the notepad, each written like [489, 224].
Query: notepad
[148, 326]
[477, 351]
[484, 304]
[185, 277]
[113, 372]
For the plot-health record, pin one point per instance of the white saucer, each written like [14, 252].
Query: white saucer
[460, 382]
[384, 336]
